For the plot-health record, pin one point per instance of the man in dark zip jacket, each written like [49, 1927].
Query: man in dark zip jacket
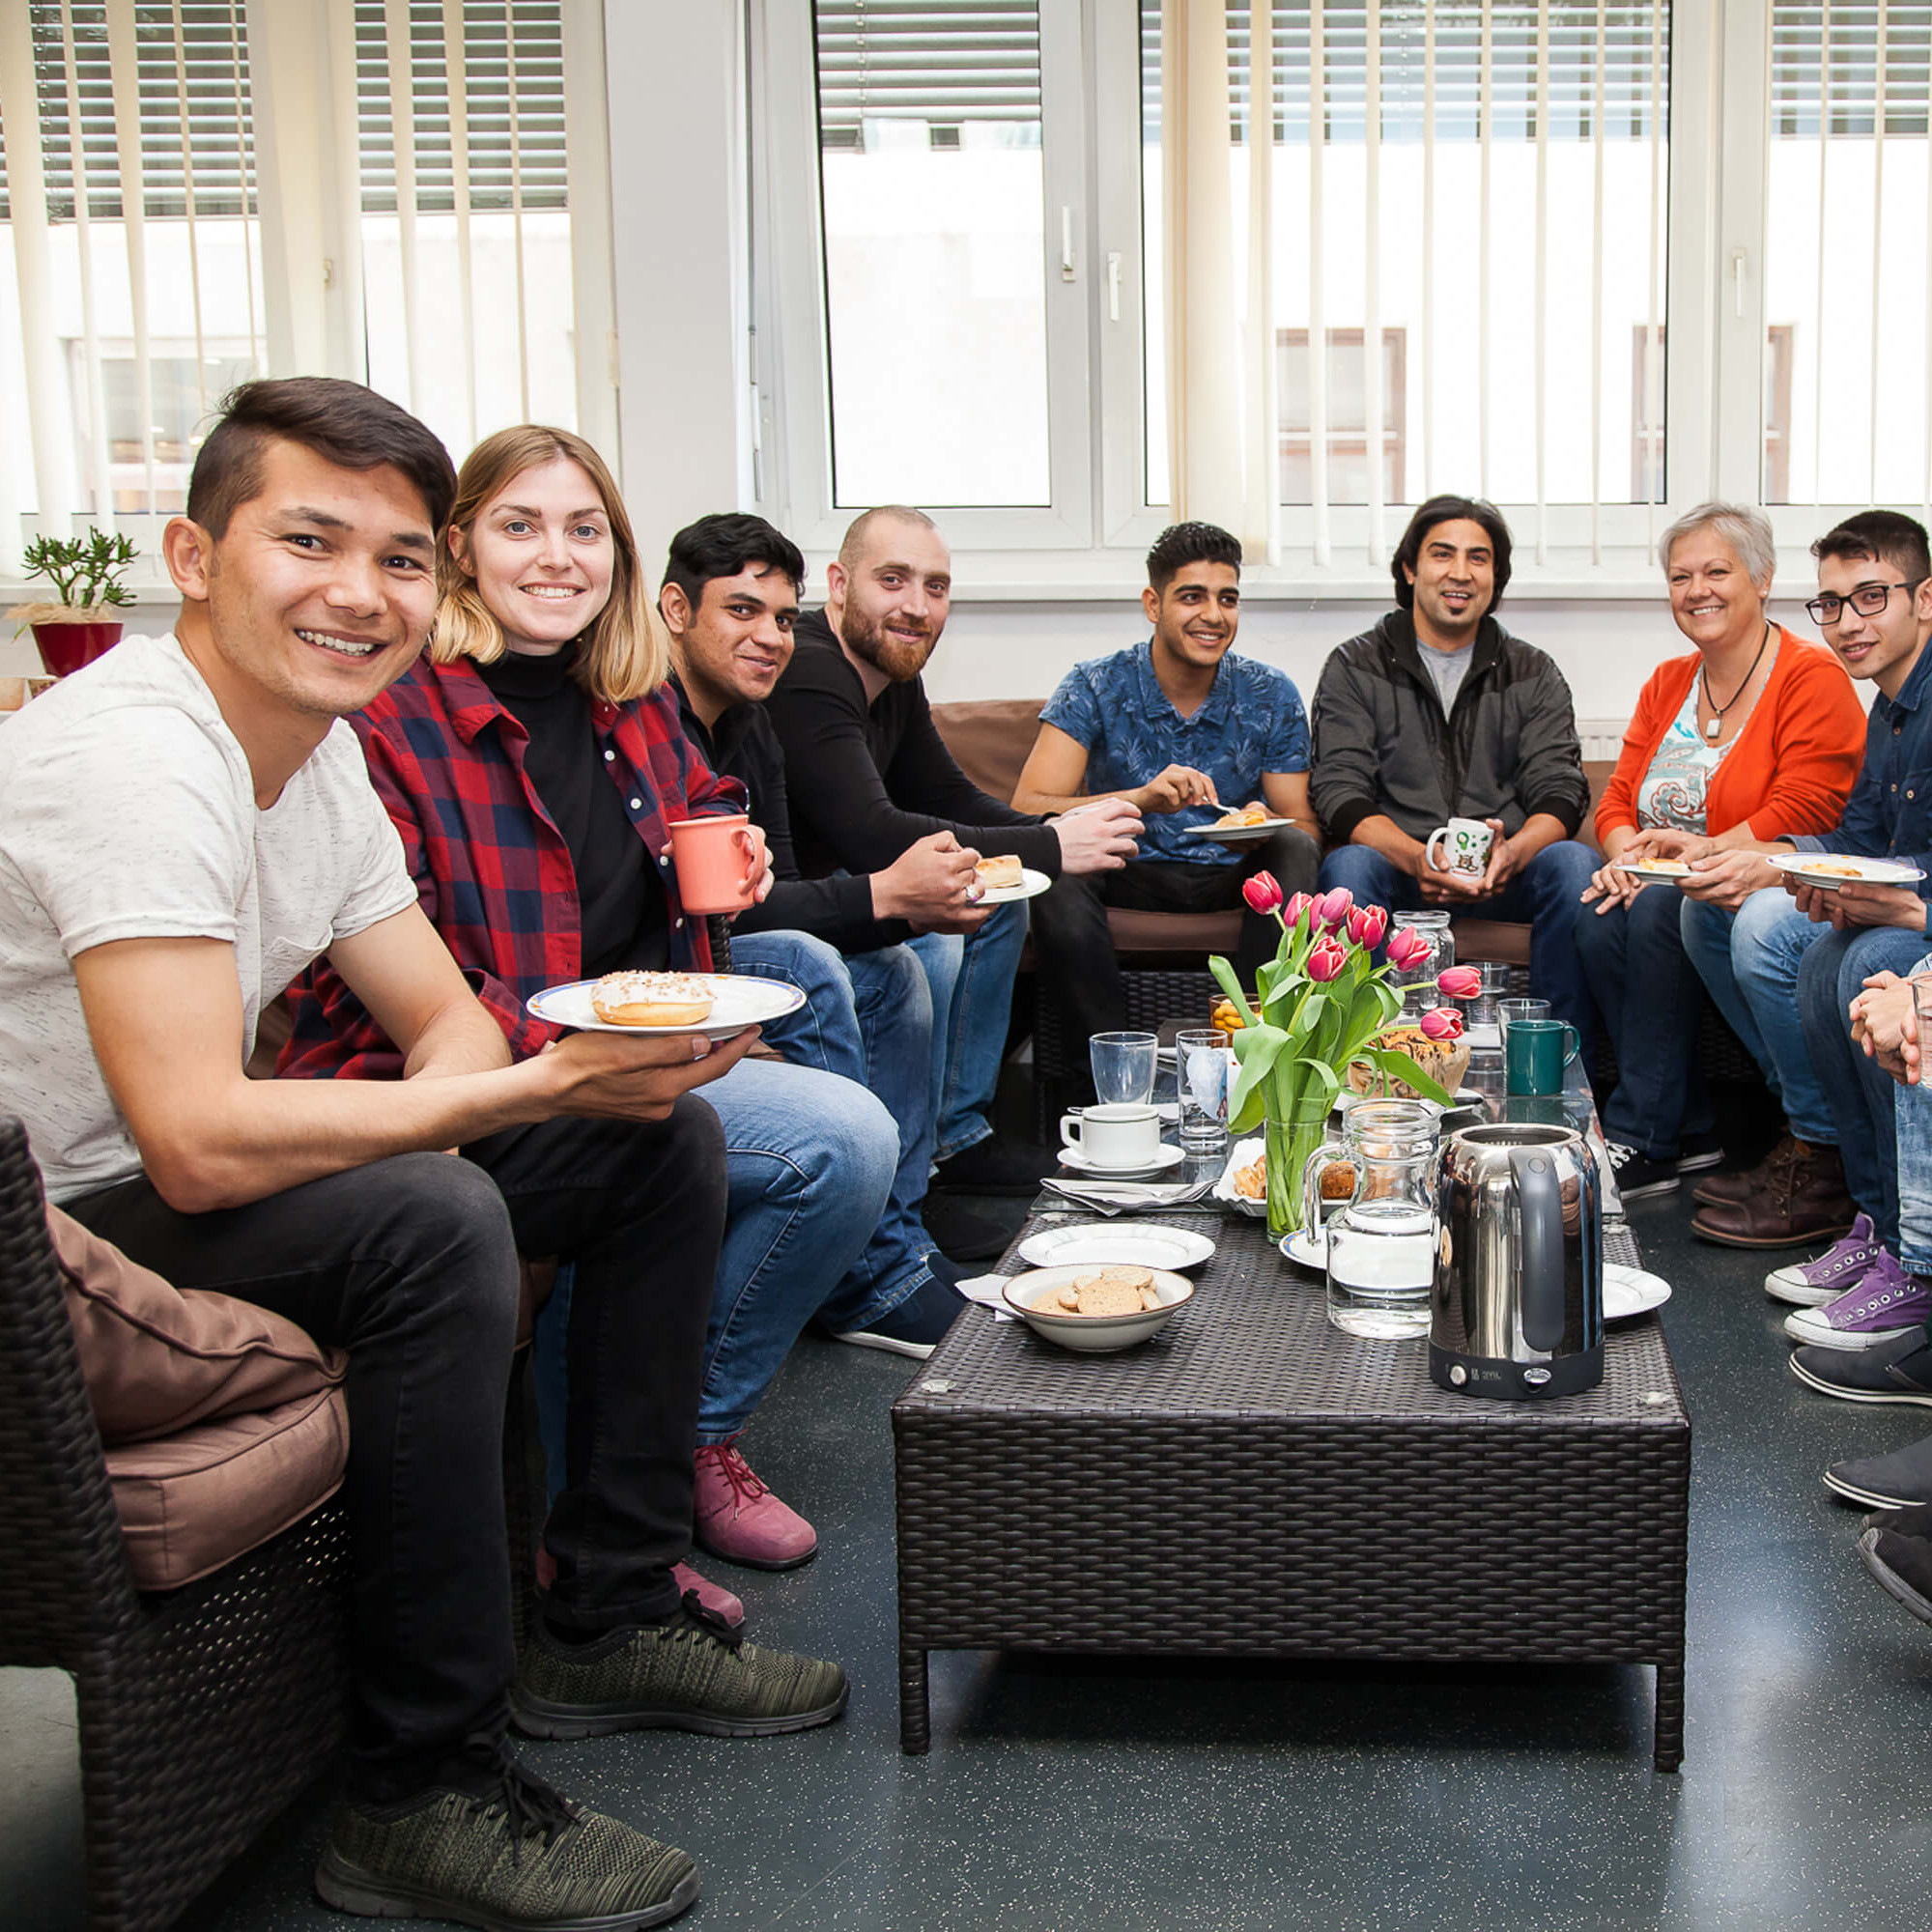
[1438, 713]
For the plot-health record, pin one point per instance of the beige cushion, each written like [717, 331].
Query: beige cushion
[990, 739]
[156, 1358]
[198, 1499]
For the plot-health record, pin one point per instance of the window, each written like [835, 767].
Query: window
[1346, 414]
[1647, 428]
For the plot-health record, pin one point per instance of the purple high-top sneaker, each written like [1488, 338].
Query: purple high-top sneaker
[1843, 1266]
[1887, 1302]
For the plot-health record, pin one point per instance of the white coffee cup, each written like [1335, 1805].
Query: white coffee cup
[1119, 1134]
[1467, 841]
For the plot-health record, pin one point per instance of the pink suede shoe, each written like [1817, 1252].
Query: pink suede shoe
[715, 1597]
[741, 1520]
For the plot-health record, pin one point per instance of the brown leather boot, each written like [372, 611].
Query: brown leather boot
[1803, 1199]
[1748, 1182]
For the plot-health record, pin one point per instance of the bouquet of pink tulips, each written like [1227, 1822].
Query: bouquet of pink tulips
[1321, 1000]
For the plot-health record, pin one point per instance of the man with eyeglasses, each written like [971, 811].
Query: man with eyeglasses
[1801, 951]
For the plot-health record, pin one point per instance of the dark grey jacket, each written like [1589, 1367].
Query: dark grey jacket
[1508, 749]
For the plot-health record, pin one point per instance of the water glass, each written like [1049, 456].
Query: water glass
[1418, 984]
[1509, 1011]
[1201, 1077]
[1481, 1011]
[1123, 1067]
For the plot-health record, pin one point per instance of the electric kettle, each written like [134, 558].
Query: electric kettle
[1517, 1307]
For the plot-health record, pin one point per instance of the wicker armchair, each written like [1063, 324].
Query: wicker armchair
[202, 1712]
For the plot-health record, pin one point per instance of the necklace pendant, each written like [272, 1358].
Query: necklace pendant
[1712, 729]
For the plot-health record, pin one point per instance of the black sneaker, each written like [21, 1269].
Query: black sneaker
[1698, 1151]
[502, 1851]
[1914, 1519]
[916, 1325]
[1896, 1371]
[692, 1673]
[1636, 1175]
[1902, 1568]
[1894, 1481]
[996, 1165]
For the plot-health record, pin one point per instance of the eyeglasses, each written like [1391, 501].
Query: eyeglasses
[1867, 600]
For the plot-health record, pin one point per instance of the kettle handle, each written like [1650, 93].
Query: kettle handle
[1540, 1218]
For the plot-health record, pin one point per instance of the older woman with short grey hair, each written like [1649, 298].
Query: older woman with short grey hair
[1753, 734]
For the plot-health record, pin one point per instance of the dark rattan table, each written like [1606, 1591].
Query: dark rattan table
[1049, 1501]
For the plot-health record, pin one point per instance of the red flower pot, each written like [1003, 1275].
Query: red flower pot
[64, 647]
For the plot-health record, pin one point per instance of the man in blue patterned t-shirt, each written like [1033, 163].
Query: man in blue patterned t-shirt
[1187, 733]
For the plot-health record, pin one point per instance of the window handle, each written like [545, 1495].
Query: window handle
[1738, 281]
[1066, 264]
[1114, 286]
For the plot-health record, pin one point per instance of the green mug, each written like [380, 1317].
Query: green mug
[1535, 1054]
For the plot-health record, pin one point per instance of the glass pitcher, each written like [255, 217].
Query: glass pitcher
[1418, 982]
[1381, 1242]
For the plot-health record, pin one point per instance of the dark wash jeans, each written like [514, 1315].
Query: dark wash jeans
[410, 1265]
[1076, 949]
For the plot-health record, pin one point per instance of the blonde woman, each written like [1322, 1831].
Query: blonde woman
[533, 764]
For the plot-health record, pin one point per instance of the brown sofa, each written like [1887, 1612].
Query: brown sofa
[991, 738]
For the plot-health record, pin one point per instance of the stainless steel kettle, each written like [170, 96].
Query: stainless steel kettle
[1517, 1308]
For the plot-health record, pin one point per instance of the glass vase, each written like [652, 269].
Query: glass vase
[1293, 1127]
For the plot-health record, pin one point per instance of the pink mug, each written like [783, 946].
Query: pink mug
[718, 862]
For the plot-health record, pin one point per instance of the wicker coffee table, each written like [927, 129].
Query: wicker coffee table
[1049, 1501]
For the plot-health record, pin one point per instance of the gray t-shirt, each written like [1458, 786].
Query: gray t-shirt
[1446, 669]
[127, 811]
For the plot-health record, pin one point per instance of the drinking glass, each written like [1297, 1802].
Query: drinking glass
[1201, 1074]
[1509, 1011]
[1482, 1009]
[1418, 982]
[1124, 1066]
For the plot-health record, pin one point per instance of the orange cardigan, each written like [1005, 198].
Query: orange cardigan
[1789, 769]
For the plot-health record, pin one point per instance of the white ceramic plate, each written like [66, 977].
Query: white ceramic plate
[1849, 870]
[1239, 835]
[1655, 868]
[1094, 1334]
[1243, 1153]
[1628, 1291]
[1135, 1243]
[741, 1001]
[1168, 1157]
[1307, 1247]
[1031, 883]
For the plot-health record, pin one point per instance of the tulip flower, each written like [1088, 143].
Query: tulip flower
[1263, 892]
[1332, 909]
[1407, 947]
[1460, 982]
[1367, 924]
[1441, 1023]
[1327, 958]
[1292, 912]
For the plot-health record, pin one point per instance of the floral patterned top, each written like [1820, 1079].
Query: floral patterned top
[1672, 790]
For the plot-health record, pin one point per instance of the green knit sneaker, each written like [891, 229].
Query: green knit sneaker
[517, 1857]
[693, 1673]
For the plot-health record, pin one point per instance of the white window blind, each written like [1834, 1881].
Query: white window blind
[944, 64]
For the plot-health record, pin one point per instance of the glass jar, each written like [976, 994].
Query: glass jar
[1418, 982]
[1381, 1242]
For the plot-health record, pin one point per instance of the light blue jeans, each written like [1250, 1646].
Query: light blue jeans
[809, 1161]
[1913, 1119]
[869, 1018]
[972, 981]
[1749, 960]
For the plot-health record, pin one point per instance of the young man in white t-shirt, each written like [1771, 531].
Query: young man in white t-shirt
[184, 827]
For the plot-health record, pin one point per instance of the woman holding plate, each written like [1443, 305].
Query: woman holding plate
[1754, 734]
[533, 761]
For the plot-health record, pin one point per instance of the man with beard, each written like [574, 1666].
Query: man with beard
[868, 775]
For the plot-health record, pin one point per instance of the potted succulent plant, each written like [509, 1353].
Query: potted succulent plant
[78, 625]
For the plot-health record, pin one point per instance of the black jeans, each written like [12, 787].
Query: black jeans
[410, 1265]
[1076, 949]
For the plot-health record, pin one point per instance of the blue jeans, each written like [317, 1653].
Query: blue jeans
[1750, 959]
[1914, 1129]
[808, 1161]
[1545, 894]
[1857, 1091]
[1650, 997]
[869, 1018]
[972, 982]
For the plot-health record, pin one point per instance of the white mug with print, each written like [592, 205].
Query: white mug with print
[1469, 847]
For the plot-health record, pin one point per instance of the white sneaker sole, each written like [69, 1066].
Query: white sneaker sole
[1907, 1397]
[1788, 1286]
[1865, 1498]
[917, 1351]
[1815, 1334]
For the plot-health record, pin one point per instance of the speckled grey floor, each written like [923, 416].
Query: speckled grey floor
[1100, 1795]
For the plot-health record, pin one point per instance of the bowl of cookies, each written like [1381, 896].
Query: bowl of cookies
[1096, 1309]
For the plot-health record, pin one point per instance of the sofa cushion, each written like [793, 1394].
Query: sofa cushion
[1189, 932]
[199, 1498]
[156, 1358]
[990, 739]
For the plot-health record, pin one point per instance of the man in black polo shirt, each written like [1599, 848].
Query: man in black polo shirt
[868, 777]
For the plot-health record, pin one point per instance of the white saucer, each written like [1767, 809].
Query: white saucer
[1031, 883]
[1628, 1291]
[741, 1001]
[1307, 1248]
[1133, 1243]
[1239, 835]
[1169, 1156]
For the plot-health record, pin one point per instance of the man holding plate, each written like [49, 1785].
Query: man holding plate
[1811, 944]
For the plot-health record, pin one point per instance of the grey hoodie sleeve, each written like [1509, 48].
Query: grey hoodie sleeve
[1551, 777]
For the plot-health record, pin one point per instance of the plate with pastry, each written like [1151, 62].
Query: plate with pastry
[1832, 869]
[1654, 868]
[1002, 878]
[1097, 1310]
[1242, 824]
[717, 1003]
[1243, 1182]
